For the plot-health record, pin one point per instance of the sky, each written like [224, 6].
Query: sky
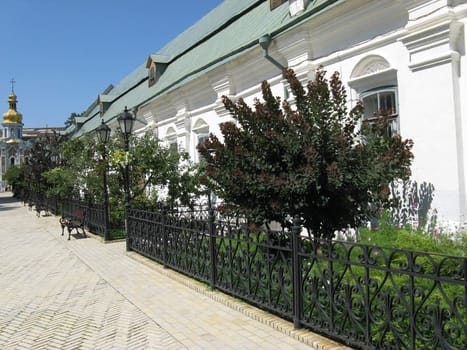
[63, 53]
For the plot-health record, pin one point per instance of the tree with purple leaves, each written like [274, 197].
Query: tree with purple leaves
[311, 158]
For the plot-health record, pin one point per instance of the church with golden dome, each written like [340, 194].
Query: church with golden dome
[13, 149]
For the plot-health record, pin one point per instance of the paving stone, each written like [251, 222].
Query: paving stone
[82, 294]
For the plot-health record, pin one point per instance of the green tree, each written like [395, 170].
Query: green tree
[311, 160]
[76, 173]
[15, 178]
[153, 168]
[44, 155]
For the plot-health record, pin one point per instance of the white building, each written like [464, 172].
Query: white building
[403, 55]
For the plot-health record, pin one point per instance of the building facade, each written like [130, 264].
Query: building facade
[404, 56]
[13, 149]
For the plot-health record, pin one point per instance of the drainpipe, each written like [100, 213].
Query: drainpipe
[265, 41]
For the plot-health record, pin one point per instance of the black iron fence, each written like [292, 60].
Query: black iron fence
[364, 296]
[94, 212]
[33, 198]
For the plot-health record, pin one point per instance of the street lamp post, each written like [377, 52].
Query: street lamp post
[103, 135]
[126, 120]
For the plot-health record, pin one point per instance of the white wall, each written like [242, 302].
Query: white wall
[423, 43]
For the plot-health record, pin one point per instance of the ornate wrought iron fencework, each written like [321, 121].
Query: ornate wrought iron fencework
[147, 234]
[69, 206]
[188, 241]
[175, 237]
[365, 296]
[94, 213]
[95, 220]
[378, 298]
[51, 203]
[256, 265]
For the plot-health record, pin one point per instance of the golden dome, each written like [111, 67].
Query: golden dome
[12, 141]
[12, 116]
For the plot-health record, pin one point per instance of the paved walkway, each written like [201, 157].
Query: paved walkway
[84, 294]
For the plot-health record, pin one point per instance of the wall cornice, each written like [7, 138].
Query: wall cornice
[433, 43]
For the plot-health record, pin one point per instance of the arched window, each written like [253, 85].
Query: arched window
[201, 131]
[171, 138]
[376, 85]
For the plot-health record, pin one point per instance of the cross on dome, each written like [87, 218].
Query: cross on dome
[12, 81]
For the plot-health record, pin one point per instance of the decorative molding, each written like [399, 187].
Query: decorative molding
[374, 79]
[222, 84]
[296, 49]
[421, 8]
[220, 109]
[448, 57]
[370, 65]
[434, 45]
[200, 126]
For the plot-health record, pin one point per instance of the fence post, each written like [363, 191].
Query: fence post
[164, 235]
[296, 270]
[212, 243]
[465, 290]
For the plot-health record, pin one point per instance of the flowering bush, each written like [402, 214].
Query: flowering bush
[119, 159]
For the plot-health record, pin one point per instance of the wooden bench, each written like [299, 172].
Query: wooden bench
[74, 222]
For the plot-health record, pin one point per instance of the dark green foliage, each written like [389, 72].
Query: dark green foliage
[153, 167]
[312, 159]
[44, 156]
[76, 171]
[15, 178]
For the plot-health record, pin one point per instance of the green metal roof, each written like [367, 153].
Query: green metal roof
[210, 23]
[229, 30]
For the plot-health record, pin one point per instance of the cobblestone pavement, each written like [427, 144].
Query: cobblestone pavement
[83, 294]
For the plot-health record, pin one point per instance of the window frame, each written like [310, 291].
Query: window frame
[152, 74]
[171, 140]
[394, 117]
[201, 130]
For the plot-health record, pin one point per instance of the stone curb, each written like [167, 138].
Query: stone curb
[305, 336]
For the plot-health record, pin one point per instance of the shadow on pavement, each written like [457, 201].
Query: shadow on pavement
[78, 236]
[7, 198]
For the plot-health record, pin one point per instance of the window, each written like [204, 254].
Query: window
[381, 101]
[201, 131]
[156, 65]
[152, 75]
[171, 138]
[173, 147]
[104, 101]
[375, 84]
[201, 139]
